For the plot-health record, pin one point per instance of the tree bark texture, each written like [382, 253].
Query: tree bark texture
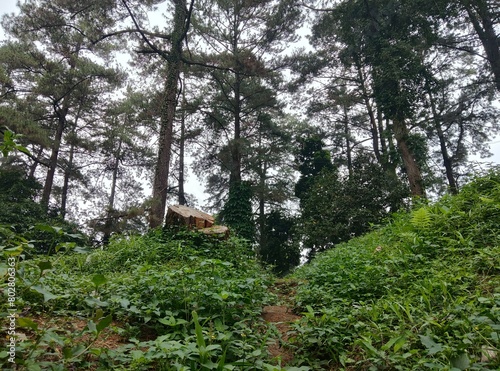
[182, 140]
[49, 180]
[483, 22]
[67, 175]
[411, 166]
[174, 63]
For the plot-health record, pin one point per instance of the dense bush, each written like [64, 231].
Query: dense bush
[22, 216]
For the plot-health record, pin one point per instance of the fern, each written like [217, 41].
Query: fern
[421, 219]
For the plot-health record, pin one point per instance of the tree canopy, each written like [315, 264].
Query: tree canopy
[300, 142]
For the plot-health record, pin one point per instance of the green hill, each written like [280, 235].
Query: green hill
[423, 292]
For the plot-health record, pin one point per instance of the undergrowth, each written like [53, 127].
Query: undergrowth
[423, 292]
[184, 301]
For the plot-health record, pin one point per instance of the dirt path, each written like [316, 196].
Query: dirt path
[281, 316]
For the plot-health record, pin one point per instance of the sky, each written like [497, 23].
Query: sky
[194, 186]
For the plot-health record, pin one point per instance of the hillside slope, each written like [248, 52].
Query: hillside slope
[421, 293]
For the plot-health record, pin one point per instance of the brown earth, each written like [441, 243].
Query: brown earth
[281, 316]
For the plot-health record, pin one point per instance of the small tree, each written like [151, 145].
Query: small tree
[338, 207]
[279, 243]
[237, 211]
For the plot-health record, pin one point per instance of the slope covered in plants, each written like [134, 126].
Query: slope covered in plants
[174, 301]
[423, 292]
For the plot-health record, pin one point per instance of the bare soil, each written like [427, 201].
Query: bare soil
[281, 316]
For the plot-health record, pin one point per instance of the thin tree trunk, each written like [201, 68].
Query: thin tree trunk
[174, 63]
[61, 113]
[235, 175]
[381, 131]
[371, 114]
[49, 180]
[182, 197]
[261, 192]
[67, 174]
[447, 160]
[69, 169]
[347, 141]
[114, 177]
[108, 225]
[35, 163]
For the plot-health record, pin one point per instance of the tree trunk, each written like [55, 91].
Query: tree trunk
[371, 114]
[174, 62]
[347, 142]
[67, 174]
[182, 197]
[111, 203]
[261, 192]
[447, 160]
[35, 163]
[49, 180]
[61, 113]
[411, 166]
[235, 175]
[383, 144]
[483, 23]
[110, 220]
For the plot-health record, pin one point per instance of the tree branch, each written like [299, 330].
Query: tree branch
[162, 53]
[132, 30]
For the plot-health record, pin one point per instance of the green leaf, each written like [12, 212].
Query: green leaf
[92, 302]
[27, 322]
[65, 245]
[172, 321]
[92, 326]
[399, 343]
[99, 313]
[71, 352]
[45, 228]
[461, 362]
[81, 250]
[124, 303]
[103, 323]
[200, 340]
[368, 346]
[431, 345]
[47, 295]
[32, 366]
[137, 354]
[213, 347]
[99, 280]
[390, 343]
[44, 265]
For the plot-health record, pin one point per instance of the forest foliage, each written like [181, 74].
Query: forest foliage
[113, 104]
[319, 130]
[422, 292]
